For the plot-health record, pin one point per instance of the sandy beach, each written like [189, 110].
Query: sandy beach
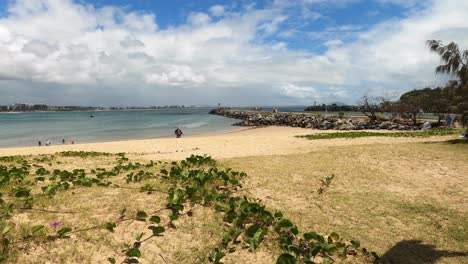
[247, 142]
[418, 184]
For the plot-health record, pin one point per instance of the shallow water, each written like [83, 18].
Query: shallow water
[26, 129]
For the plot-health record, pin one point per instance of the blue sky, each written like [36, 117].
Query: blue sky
[244, 52]
[360, 15]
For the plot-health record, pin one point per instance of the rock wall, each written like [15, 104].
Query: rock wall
[254, 118]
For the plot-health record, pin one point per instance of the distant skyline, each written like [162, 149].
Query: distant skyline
[269, 52]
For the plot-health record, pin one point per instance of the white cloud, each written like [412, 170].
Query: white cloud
[299, 92]
[54, 48]
[39, 48]
[199, 19]
[176, 75]
[217, 10]
[404, 3]
[129, 42]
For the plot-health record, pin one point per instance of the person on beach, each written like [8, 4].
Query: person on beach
[39, 143]
[178, 133]
[448, 121]
[63, 141]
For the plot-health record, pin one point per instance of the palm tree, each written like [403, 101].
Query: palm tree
[455, 62]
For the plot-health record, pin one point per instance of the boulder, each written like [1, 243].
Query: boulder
[346, 127]
[385, 125]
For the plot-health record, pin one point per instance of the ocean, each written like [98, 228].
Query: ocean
[26, 129]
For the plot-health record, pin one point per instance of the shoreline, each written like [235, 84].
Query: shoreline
[252, 141]
[234, 130]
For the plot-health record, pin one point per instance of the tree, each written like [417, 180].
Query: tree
[370, 105]
[411, 103]
[454, 61]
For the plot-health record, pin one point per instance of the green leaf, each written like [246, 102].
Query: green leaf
[250, 232]
[141, 216]
[37, 228]
[278, 214]
[6, 229]
[63, 231]
[41, 179]
[155, 219]
[158, 230]
[355, 243]
[283, 222]
[294, 230]
[110, 226]
[294, 249]
[22, 193]
[174, 216]
[111, 260]
[178, 207]
[310, 236]
[258, 235]
[133, 253]
[328, 248]
[314, 236]
[315, 251]
[286, 259]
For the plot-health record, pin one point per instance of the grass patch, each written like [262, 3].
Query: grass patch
[194, 211]
[381, 194]
[360, 134]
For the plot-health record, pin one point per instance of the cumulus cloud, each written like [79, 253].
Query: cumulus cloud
[129, 42]
[217, 10]
[299, 92]
[176, 75]
[199, 19]
[39, 48]
[66, 51]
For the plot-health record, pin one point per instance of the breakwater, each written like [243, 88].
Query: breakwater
[255, 118]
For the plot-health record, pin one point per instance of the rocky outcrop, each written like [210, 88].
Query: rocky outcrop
[254, 118]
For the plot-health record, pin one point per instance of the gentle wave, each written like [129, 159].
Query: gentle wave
[194, 125]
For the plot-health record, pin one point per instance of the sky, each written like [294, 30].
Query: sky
[238, 52]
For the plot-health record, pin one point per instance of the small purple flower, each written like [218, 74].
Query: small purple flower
[55, 224]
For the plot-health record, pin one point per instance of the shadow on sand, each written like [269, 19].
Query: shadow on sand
[416, 252]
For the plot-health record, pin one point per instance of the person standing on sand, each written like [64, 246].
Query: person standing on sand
[39, 143]
[63, 141]
[178, 133]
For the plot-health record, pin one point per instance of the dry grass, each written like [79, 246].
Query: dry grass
[389, 197]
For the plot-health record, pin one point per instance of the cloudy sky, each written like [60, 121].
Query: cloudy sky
[244, 52]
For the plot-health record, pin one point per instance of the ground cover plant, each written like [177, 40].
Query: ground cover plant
[359, 134]
[37, 217]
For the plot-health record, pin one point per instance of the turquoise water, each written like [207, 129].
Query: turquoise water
[26, 129]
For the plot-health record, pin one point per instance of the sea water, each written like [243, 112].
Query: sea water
[26, 129]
